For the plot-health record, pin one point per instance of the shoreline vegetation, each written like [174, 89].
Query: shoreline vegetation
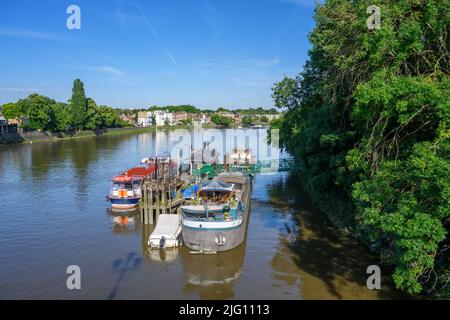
[47, 119]
[368, 122]
[39, 136]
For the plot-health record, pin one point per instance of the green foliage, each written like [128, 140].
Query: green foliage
[247, 121]
[259, 110]
[264, 119]
[41, 113]
[181, 108]
[186, 121]
[93, 117]
[60, 118]
[222, 120]
[108, 118]
[36, 109]
[11, 111]
[78, 105]
[368, 120]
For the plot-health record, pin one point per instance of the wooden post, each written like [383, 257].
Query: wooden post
[225, 165]
[145, 210]
[164, 197]
[143, 204]
[170, 199]
[158, 195]
[150, 203]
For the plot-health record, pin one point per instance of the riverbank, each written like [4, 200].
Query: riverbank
[290, 252]
[41, 136]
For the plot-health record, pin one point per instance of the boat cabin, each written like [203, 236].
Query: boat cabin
[125, 186]
[217, 201]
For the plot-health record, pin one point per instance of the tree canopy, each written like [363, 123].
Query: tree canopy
[368, 120]
[42, 113]
[222, 120]
[78, 104]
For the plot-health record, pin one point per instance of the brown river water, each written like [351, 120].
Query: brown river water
[54, 214]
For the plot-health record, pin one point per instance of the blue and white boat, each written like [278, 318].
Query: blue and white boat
[125, 191]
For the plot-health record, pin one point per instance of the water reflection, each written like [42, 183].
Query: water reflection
[212, 276]
[206, 276]
[123, 265]
[330, 264]
[56, 216]
[124, 223]
[164, 256]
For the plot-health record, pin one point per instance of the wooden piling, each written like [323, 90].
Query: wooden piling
[151, 203]
[157, 193]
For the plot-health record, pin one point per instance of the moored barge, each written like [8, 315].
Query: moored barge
[224, 227]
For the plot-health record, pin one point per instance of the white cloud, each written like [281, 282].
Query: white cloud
[266, 63]
[18, 90]
[21, 33]
[244, 83]
[108, 70]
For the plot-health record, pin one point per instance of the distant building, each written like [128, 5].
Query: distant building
[3, 125]
[177, 117]
[144, 119]
[226, 114]
[161, 118]
[201, 117]
[273, 116]
[127, 119]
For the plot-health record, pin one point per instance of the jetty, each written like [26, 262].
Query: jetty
[205, 205]
[162, 190]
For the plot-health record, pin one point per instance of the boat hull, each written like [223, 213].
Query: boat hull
[124, 203]
[212, 237]
[213, 240]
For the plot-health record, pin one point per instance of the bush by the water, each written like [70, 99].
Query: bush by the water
[368, 118]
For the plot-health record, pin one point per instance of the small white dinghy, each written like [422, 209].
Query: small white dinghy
[166, 233]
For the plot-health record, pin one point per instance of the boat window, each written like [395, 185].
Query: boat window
[195, 215]
[117, 186]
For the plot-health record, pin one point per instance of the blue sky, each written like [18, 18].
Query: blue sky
[139, 53]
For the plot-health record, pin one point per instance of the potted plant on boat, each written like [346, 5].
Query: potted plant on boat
[233, 203]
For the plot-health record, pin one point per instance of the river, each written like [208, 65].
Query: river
[54, 214]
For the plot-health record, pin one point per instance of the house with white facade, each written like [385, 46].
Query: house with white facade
[144, 119]
[162, 117]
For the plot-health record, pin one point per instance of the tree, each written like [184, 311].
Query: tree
[60, 117]
[108, 117]
[368, 121]
[78, 105]
[187, 121]
[36, 109]
[247, 121]
[93, 117]
[181, 108]
[222, 120]
[11, 111]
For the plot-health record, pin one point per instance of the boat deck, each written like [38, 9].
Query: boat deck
[166, 233]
